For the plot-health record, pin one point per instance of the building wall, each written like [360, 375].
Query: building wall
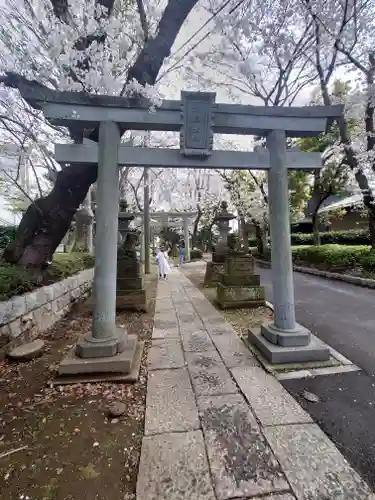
[351, 220]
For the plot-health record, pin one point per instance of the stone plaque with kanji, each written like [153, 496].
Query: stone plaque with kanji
[196, 136]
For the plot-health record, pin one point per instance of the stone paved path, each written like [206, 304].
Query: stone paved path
[219, 427]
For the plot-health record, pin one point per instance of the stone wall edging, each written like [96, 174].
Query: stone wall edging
[353, 280]
[24, 317]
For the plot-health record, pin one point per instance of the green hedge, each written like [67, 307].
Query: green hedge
[335, 257]
[196, 254]
[368, 263]
[17, 281]
[350, 237]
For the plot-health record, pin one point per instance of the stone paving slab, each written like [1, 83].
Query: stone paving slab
[287, 496]
[165, 321]
[180, 301]
[170, 402]
[208, 374]
[189, 328]
[233, 351]
[164, 313]
[207, 311]
[314, 466]
[217, 328]
[185, 310]
[165, 333]
[174, 467]
[164, 354]
[196, 341]
[183, 304]
[189, 320]
[241, 462]
[187, 317]
[272, 404]
[164, 303]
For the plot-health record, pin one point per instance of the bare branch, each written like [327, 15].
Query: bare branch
[36, 178]
[143, 18]
[18, 186]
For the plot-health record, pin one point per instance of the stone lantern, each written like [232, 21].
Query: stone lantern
[130, 290]
[222, 220]
[222, 250]
[124, 219]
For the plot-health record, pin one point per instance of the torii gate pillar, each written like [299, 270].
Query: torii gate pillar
[106, 348]
[283, 340]
[186, 238]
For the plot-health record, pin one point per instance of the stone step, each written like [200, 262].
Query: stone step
[26, 352]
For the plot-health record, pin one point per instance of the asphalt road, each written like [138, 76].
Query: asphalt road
[342, 315]
[346, 413]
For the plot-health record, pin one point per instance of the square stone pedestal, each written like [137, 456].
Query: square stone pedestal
[213, 272]
[239, 286]
[132, 300]
[123, 366]
[130, 292]
[315, 350]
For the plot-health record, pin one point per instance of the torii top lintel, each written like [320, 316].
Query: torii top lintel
[85, 111]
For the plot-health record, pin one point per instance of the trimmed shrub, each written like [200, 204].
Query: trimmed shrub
[16, 280]
[350, 237]
[331, 257]
[196, 254]
[368, 262]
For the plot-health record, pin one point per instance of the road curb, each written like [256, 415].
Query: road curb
[353, 280]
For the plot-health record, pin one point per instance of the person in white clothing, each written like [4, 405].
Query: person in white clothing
[162, 263]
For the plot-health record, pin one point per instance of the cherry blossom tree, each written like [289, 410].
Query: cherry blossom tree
[248, 195]
[194, 190]
[259, 52]
[260, 56]
[99, 46]
[343, 35]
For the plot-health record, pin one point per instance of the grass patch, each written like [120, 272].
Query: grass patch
[15, 280]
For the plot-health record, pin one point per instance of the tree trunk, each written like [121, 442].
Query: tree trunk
[47, 220]
[70, 239]
[195, 227]
[316, 233]
[261, 236]
[265, 250]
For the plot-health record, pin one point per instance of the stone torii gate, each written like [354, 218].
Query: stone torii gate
[108, 348]
[164, 216]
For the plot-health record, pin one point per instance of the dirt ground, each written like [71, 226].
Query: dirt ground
[65, 447]
[240, 319]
